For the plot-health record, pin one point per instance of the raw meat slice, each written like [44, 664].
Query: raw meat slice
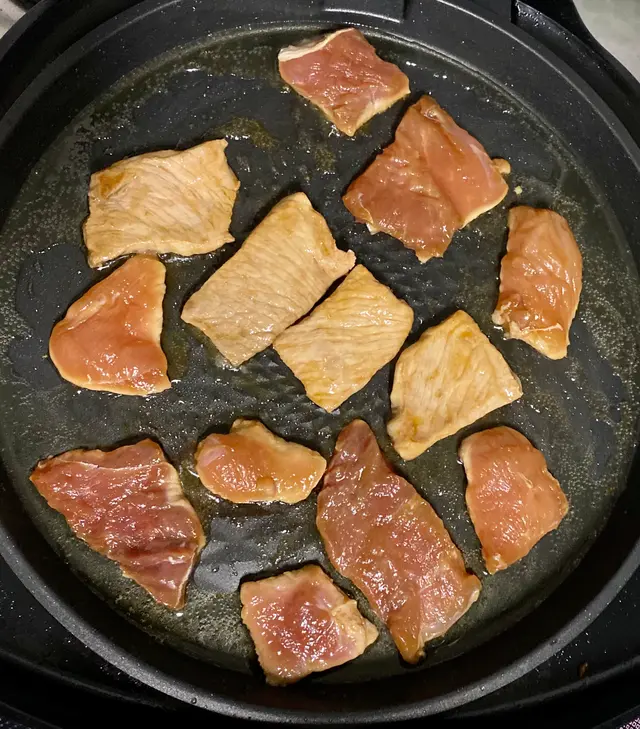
[448, 379]
[342, 75]
[252, 464]
[127, 504]
[161, 202]
[340, 346]
[512, 498]
[301, 623]
[382, 535]
[285, 265]
[109, 338]
[540, 281]
[432, 180]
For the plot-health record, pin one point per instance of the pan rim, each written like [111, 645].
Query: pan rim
[63, 611]
[127, 17]
[239, 709]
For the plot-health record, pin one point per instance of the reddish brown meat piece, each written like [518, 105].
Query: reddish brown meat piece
[384, 537]
[512, 498]
[432, 180]
[253, 464]
[540, 281]
[128, 505]
[109, 338]
[342, 75]
[302, 623]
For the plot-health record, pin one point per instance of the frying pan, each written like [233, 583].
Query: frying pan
[173, 73]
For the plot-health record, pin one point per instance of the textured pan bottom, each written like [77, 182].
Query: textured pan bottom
[579, 411]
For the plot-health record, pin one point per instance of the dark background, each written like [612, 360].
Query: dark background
[48, 674]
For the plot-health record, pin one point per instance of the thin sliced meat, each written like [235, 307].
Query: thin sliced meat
[432, 180]
[301, 623]
[448, 379]
[342, 344]
[342, 75]
[284, 266]
[512, 498]
[109, 338]
[128, 505]
[540, 281]
[382, 535]
[161, 202]
[252, 464]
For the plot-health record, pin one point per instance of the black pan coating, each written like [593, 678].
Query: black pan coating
[580, 411]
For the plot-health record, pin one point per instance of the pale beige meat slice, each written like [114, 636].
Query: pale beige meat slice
[540, 281]
[301, 623]
[161, 202]
[343, 76]
[284, 266]
[253, 464]
[340, 346]
[448, 379]
[109, 338]
[512, 498]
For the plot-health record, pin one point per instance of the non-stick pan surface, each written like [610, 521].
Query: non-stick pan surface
[200, 80]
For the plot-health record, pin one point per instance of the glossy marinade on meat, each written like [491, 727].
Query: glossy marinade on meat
[432, 180]
[109, 339]
[252, 464]
[301, 623]
[385, 538]
[512, 498]
[344, 77]
[540, 281]
[128, 505]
